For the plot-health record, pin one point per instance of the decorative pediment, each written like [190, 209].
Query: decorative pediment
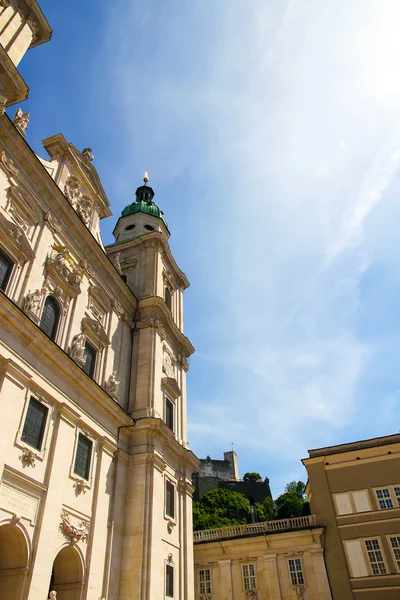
[15, 240]
[96, 331]
[62, 269]
[170, 385]
[22, 207]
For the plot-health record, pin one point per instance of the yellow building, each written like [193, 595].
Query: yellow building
[354, 489]
[95, 470]
[276, 560]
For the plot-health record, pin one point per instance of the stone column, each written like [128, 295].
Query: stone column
[271, 568]
[321, 577]
[225, 580]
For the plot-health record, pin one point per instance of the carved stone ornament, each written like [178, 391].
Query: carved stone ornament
[52, 221]
[8, 164]
[63, 270]
[183, 362]
[170, 558]
[74, 533]
[154, 323]
[80, 486]
[87, 155]
[84, 209]
[21, 121]
[32, 304]
[299, 590]
[206, 597]
[3, 103]
[28, 458]
[170, 525]
[116, 262]
[95, 331]
[118, 309]
[53, 595]
[251, 593]
[85, 266]
[168, 365]
[77, 348]
[72, 190]
[52, 287]
[111, 386]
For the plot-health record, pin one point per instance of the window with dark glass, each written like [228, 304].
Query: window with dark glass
[6, 266]
[89, 359]
[35, 423]
[83, 456]
[50, 317]
[170, 499]
[169, 413]
[169, 581]
[167, 298]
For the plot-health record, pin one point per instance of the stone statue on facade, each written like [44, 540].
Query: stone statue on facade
[72, 190]
[53, 595]
[117, 263]
[112, 385]
[32, 303]
[21, 120]
[87, 155]
[77, 348]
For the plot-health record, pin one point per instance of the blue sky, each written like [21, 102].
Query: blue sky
[271, 133]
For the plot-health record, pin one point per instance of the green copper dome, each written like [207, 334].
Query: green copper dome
[144, 203]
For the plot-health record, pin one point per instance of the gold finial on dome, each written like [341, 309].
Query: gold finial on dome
[146, 178]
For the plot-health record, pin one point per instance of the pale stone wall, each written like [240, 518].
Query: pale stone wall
[269, 555]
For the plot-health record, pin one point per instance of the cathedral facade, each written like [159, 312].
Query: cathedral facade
[95, 469]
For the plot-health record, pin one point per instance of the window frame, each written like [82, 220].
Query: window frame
[364, 541]
[169, 482]
[294, 559]
[207, 590]
[93, 374]
[55, 335]
[39, 454]
[9, 272]
[392, 550]
[249, 576]
[169, 565]
[85, 483]
[168, 399]
[393, 497]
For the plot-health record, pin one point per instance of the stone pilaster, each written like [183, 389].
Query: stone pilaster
[272, 576]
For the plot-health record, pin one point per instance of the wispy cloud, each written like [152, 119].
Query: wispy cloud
[273, 133]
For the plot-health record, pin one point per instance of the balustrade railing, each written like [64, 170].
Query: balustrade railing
[234, 531]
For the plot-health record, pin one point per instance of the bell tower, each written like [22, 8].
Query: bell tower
[158, 510]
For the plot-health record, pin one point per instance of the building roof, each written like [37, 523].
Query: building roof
[359, 445]
[144, 203]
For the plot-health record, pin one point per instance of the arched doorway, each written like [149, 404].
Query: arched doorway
[13, 562]
[67, 576]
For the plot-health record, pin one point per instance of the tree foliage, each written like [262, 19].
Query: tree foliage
[296, 487]
[252, 477]
[266, 510]
[220, 508]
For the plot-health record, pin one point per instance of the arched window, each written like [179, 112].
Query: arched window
[50, 317]
[167, 298]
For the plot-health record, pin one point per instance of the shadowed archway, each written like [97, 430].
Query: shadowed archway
[13, 562]
[67, 576]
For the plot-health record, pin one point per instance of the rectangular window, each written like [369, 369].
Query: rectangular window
[395, 542]
[296, 571]
[169, 581]
[83, 456]
[249, 577]
[170, 499]
[397, 494]
[384, 498]
[205, 581]
[6, 266]
[35, 423]
[375, 557]
[89, 359]
[169, 413]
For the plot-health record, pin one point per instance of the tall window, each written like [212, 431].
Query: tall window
[35, 423]
[50, 317]
[296, 571]
[89, 359]
[169, 413]
[83, 457]
[167, 298]
[170, 499]
[169, 581]
[249, 577]
[205, 581]
[375, 557]
[6, 266]
[395, 542]
[384, 498]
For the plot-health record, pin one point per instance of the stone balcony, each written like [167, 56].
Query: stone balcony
[236, 531]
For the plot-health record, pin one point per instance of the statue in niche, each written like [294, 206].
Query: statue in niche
[77, 348]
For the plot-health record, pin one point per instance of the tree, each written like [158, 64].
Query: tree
[296, 487]
[220, 508]
[252, 477]
[266, 510]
